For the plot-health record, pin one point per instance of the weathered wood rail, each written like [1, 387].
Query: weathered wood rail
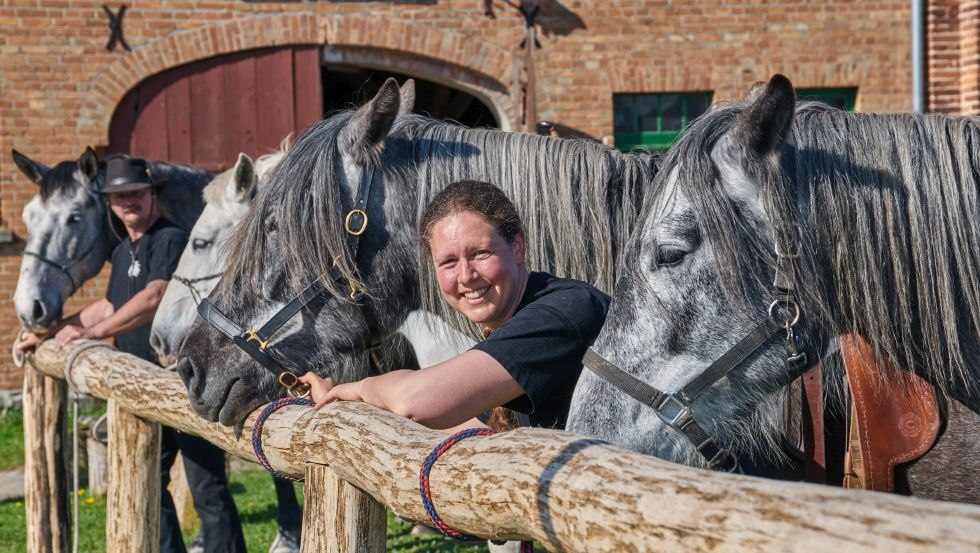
[566, 491]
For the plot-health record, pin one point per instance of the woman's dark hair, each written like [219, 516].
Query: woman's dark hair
[482, 198]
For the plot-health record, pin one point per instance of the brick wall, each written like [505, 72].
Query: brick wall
[59, 86]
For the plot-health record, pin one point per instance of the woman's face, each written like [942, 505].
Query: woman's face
[480, 274]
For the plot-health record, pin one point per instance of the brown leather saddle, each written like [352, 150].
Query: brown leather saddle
[894, 418]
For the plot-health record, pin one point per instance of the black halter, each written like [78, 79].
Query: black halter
[256, 342]
[65, 267]
[674, 408]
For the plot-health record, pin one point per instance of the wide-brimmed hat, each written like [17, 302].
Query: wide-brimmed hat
[124, 174]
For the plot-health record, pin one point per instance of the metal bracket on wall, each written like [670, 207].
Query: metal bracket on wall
[115, 26]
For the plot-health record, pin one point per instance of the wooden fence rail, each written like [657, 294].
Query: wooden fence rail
[568, 492]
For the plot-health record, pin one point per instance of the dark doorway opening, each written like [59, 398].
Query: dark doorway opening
[347, 87]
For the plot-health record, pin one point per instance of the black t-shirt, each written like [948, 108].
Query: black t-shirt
[157, 253]
[542, 345]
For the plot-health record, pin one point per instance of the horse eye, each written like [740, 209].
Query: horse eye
[201, 244]
[668, 256]
[74, 218]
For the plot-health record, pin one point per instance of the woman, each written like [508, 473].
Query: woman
[537, 326]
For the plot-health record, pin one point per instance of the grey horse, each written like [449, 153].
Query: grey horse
[69, 237]
[579, 201]
[876, 221]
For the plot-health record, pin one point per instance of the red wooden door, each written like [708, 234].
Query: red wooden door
[205, 113]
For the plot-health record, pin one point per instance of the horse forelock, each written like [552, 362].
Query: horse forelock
[887, 209]
[60, 180]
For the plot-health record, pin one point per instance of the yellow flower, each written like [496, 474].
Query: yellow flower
[81, 491]
[19, 504]
[90, 500]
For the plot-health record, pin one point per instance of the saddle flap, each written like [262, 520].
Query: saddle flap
[895, 413]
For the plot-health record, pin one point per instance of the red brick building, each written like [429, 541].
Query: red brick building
[61, 89]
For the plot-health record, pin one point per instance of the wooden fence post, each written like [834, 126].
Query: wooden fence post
[45, 468]
[133, 499]
[338, 517]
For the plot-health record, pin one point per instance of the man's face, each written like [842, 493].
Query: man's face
[480, 274]
[133, 208]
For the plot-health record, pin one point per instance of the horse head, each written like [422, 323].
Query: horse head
[299, 232]
[227, 200]
[67, 241]
[696, 279]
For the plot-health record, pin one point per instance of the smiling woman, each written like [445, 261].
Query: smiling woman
[537, 326]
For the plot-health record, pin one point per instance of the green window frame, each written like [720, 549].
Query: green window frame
[843, 98]
[655, 120]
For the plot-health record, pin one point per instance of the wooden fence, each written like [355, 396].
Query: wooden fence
[568, 492]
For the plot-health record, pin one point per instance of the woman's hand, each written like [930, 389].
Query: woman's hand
[324, 391]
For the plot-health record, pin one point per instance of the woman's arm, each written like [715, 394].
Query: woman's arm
[441, 396]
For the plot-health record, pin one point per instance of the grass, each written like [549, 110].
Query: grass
[251, 487]
[11, 440]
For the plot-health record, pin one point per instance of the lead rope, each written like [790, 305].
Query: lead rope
[426, 492]
[257, 432]
[69, 367]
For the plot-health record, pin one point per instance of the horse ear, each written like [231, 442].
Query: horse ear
[244, 177]
[363, 137]
[755, 92]
[764, 126]
[88, 163]
[407, 93]
[33, 170]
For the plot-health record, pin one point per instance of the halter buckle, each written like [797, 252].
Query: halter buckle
[293, 386]
[362, 215]
[254, 335]
[680, 417]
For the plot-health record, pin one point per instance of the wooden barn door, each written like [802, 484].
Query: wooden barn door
[205, 113]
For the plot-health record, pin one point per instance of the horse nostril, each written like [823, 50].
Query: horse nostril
[185, 368]
[39, 311]
[156, 344]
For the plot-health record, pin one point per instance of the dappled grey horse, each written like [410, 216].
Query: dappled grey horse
[68, 234]
[578, 199]
[875, 221]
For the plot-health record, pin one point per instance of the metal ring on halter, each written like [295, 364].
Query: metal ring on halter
[292, 384]
[253, 335]
[350, 215]
[790, 302]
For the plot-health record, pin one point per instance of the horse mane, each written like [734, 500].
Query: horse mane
[579, 200]
[887, 207]
[59, 180]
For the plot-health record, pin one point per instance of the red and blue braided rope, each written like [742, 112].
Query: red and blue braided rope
[257, 431]
[426, 492]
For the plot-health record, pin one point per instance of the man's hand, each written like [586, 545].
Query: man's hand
[29, 341]
[70, 333]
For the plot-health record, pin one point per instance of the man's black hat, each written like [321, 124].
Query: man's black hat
[124, 174]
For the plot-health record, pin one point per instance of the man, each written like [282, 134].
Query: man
[142, 264]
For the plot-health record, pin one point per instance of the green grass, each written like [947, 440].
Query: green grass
[250, 486]
[11, 440]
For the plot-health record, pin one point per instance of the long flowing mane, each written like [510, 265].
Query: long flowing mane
[888, 211]
[579, 199]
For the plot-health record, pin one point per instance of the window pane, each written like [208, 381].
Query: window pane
[697, 104]
[647, 107]
[670, 111]
[623, 113]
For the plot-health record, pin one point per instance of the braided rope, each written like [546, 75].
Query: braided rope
[426, 492]
[257, 432]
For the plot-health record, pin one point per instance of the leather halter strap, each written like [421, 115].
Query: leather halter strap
[674, 408]
[64, 268]
[256, 342]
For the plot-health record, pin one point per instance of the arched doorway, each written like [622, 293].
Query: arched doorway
[205, 113]
[345, 86]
